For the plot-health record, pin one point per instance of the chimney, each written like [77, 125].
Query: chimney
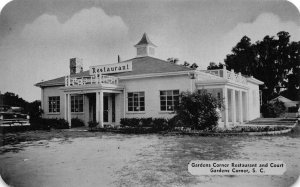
[119, 58]
[76, 66]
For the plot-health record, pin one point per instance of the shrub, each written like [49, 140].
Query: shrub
[60, 124]
[48, 123]
[197, 110]
[273, 110]
[146, 122]
[92, 124]
[76, 122]
[160, 124]
[130, 122]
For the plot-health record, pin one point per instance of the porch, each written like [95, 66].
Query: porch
[100, 98]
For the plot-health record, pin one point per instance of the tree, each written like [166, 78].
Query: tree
[174, 60]
[213, 65]
[242, 58]
[31, 108]
[275, 61]
[273, 109]
[186, 64]
[194, 66]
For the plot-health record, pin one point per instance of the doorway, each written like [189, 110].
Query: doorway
[105, 109]
[92, 106]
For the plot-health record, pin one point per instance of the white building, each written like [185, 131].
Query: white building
[144, 86]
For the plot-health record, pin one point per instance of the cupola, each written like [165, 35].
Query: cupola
[145, 47]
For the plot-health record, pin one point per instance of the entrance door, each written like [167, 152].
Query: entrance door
[105, 109]
[92, 106]
[113, 108]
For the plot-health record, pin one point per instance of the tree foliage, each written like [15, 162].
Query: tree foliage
[213, 65]
[185, 63]
[31, 108]
[275, 61]
[197, 110]
[173, 60]
[273, 109]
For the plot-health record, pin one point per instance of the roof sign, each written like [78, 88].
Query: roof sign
[111, 68]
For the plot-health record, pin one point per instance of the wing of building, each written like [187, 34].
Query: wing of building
[144, 86]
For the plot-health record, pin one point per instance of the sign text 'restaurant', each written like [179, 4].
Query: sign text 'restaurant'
[111, 68]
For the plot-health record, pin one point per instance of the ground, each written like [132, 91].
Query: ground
[81, 158]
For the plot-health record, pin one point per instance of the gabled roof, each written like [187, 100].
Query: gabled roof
[140, 66]
[145, 41]
[282, 98]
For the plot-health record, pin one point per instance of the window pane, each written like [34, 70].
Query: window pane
[176, 92]
[163, 93]
[169, 98]
[162, 108]
[136, 101]
[163, 98]
[142, 108]
[170, 108]
[176, 98]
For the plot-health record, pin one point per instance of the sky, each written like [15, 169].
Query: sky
[38, 37]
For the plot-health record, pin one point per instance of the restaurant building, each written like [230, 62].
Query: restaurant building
[142, 87]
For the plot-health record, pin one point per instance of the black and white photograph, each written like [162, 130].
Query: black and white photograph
[149, 93]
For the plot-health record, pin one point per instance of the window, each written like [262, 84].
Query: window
[76, 103]
[136, 101]
[54, 104]
[168, 99]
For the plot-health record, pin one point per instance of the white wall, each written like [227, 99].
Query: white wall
[254, 103]
[55, 91]
[152, 88]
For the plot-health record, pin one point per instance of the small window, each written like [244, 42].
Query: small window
[136, 101]
[76, 103]
[54, 104]
[168, 99]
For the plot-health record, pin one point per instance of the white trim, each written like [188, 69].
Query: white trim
[53, 113]
[254, 80]
[159, 107]
[83, 102]
[220, 83]
[132, 77]
[153, 75]
[48, 112]
[131, 112]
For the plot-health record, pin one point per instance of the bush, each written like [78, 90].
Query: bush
[156, 124]
[60, 124]
[197, 110]
[160, 124]
[47, 124]
[130, 122]
[76, 122]
[146, 122]
[92, 124]
[273, 110]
